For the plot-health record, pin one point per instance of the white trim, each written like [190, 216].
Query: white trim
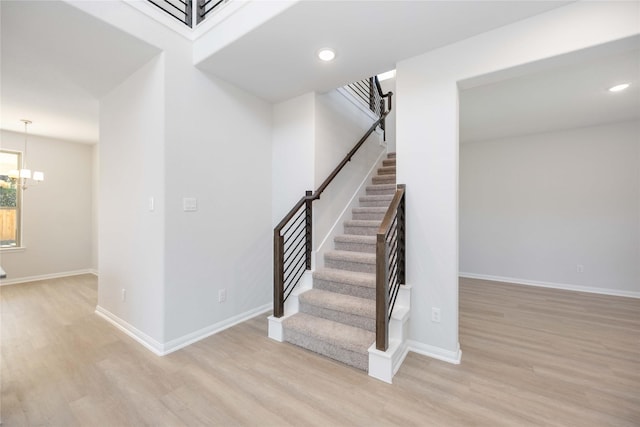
[161, 349]
[436, 352]
[142, 338]
[383, 365]
[9, 249]
[5, 282]
[188, 339]
[563, 286]
[94, 271]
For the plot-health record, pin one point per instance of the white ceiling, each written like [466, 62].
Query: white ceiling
[277, 61]
[56, 63]
[571, 94]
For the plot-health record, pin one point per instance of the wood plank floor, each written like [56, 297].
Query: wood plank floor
[531, 356]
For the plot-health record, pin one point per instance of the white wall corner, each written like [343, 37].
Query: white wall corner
[454, 357]
[142, 338]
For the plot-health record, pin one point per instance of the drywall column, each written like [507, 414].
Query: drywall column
[427, 143]
[131, 205]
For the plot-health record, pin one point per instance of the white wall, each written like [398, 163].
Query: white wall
[427, 143]
[292, 153]
[217, 149]
[56, 212]
[131, 236]
[339, 126]
[534, 207]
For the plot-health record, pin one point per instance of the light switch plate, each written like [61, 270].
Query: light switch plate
[190, 204]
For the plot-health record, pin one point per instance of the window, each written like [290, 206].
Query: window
[10, 200]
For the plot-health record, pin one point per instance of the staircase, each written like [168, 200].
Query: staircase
[337, 317]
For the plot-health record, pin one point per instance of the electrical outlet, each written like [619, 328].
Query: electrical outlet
[580, 268]
[435, 314]
[124, 294]
[222, 295]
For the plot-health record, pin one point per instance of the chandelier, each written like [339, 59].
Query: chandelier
[22, 176]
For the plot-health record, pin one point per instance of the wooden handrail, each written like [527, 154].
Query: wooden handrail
[347, 158]
[386, 295]
[280, 261]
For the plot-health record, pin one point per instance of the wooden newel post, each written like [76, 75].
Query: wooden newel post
[382, 295]
[309, 227]
[278, 274]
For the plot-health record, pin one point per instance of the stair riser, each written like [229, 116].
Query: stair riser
[388, 170]
[375, 203]
[357, 360]
[369, 216]
[356, 247]
[391, 155]
[361, 231]
[341, 317]
[345, 289]
[389, 162]
[380, 192]
[350, 266]
[384, 179]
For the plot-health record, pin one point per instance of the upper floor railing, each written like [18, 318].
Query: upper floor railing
[185, 10]
[369, 92]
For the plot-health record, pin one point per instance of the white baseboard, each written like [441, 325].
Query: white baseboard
[436, 352]
[5, 282]
[162, 349]
[563, 286]
[144, 339]
[185, 340]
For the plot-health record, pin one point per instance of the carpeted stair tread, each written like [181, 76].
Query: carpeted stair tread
[363, 262]
[337, 317]
[362, 227]
[382, 200]
[330, 332]
[387, 188]
[387, 170]
[355, 243]
[384, 179]
[359, 257]
[369, 213]
[346, 309]
[366, 280]
[354, 238]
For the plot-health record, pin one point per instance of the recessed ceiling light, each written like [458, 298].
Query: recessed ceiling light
[326, 54]
[618, 88]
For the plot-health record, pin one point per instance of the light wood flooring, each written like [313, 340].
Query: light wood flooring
[531, 357]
